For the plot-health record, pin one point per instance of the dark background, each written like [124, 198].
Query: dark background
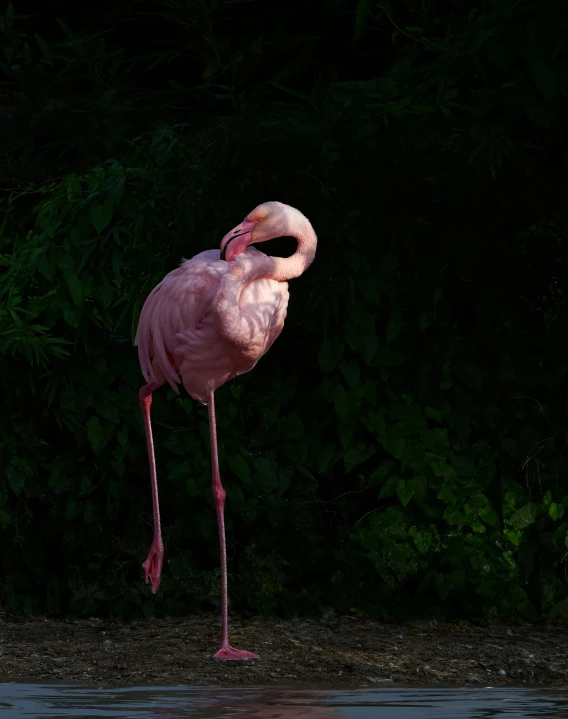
[401, 449]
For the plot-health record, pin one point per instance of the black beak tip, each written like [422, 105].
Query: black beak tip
[234, 237]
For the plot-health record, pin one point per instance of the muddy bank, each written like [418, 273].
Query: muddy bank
[346, 651]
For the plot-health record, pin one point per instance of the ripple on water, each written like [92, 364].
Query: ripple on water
[53, 701]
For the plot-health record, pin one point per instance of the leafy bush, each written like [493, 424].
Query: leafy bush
[406, 434]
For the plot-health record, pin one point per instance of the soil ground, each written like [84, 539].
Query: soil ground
[338, 651]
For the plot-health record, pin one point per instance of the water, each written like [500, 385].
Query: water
[53, 701]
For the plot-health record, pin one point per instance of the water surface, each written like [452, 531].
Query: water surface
[54, 701]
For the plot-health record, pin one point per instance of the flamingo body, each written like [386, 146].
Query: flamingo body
[179, 339]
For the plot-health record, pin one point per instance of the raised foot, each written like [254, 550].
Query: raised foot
[153, 565]
[228, 654]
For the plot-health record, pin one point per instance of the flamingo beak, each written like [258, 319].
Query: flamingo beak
[238, 239]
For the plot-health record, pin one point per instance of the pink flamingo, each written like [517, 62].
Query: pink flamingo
[208, 321]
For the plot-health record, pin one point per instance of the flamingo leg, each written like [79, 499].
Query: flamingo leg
[153, 564]
[226, 651]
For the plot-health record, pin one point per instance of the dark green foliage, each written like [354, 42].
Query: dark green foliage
[401, 449]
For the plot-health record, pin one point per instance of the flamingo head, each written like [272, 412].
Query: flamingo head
[265, 222]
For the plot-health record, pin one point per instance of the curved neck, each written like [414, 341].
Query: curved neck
[281, 269]
[287, 268]
[253, 266]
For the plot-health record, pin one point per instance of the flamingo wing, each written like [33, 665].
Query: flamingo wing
[176, 306]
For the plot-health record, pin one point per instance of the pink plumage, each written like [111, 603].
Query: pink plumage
[179, 338]
[208, 321]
